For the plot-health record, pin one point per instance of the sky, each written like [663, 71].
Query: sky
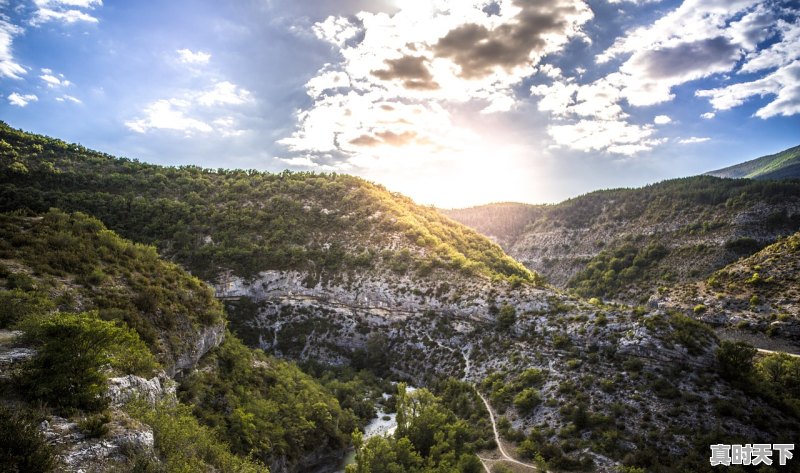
[451, 102]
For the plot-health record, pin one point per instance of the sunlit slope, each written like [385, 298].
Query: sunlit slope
[245, 221]
[783, 165]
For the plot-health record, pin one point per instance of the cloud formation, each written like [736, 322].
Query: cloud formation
[54, 80]
[67, 11]
[694, 139]
[203, 111]
[9, 67]
[535, 29]
[782, 85]
[20, 100]
[697, 40]
[187, 56]
[402, 74]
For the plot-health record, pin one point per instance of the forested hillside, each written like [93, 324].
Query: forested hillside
[83, 297]
[363, 288]
[245, 221]
[502, 222]
[624, 244]
[783, 165]
[758, 295]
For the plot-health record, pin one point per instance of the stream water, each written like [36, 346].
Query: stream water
[383, 424]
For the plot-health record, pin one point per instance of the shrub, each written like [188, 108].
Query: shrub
[527, 400]
[735, 359]
[72, 353]
[507, 317]
[699, 309]
[95, 425]
[18, 305]
[22, 446]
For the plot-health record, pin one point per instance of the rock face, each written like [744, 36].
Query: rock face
[613, 360]
[756, 299]
[208, 338]
[80, 453]
[703, 223]
[127, 388]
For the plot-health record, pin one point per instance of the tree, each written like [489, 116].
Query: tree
[73, 351]
[507, 317]
[735, 359]
[22, 446]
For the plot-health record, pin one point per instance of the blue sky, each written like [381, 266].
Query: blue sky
[452, 102]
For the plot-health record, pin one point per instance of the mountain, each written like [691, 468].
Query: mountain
[783, 165]
[99, 322]
[502, 222]
[244, 221]
[756, 296]
[624, 244]
[357, 283]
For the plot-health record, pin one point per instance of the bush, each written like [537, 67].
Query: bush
[95, 425]
[22, 446]
[527, 400]
[699, 309]
[18, 305]
[72, 352]
[735, 359]
[187, 446]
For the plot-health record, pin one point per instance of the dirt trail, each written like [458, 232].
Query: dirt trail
[500, 448]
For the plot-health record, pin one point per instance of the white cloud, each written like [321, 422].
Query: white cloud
[52, 80]
[696, 40]
[68, 98]
[401, 74]
[203, 111]
[708, 115]
[327, 81]
[783, 84]
[614, 136]
[223, 93]
[21, 100]
[9, 67]
[693, 139]
[67, 11]
[662, 120]
[187, 56]
[168, 115]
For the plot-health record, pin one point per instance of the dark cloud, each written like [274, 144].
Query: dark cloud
[686, 59]
[411, 70]
[478, 50]
[386, 137]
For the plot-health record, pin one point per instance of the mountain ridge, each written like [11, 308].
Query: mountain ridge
[782, 165]
[328, 269]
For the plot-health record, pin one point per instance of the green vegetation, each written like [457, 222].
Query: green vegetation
[610, 271]
[71, 261]
[774, 377]
[783, 165]
[184, 445]
[22, 447]
[265, 407]
[505, 221]
[73, 353]
[214, 220]
[521, 389]
[506, 317]
[145, 311]
[429, 438]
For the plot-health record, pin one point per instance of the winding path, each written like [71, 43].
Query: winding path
[502, 450]
[770, 352]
